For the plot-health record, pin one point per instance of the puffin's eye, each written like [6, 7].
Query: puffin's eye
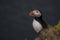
[37, 11]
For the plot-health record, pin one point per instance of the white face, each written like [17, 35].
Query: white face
[36, 13]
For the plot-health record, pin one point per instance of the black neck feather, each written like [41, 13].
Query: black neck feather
[41, 21]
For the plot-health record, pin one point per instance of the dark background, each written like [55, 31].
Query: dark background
[15, 23]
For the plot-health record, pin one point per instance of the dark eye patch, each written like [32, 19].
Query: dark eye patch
[37, 11]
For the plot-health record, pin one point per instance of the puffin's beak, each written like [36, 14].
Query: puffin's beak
[31, 14]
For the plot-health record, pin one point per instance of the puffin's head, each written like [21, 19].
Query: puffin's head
[35, 13]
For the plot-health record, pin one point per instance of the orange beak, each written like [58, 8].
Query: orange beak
[31, 14]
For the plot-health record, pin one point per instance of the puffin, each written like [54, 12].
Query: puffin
[38, 23]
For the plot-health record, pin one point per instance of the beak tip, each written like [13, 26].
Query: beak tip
[30, 14]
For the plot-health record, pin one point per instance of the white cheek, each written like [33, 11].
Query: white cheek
[37, 14]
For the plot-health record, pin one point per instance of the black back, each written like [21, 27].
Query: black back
[41, 21]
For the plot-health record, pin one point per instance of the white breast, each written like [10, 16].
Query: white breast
[37, 26]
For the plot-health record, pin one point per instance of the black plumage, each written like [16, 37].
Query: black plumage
[41, 21]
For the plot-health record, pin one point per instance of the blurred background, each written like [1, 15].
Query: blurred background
[16, 24]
